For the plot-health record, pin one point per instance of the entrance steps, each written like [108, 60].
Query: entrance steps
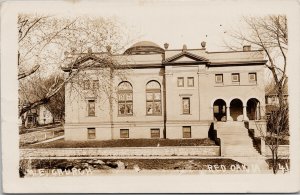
[235, 139]
[237, 145]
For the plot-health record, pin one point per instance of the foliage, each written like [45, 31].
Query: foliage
[44, 43]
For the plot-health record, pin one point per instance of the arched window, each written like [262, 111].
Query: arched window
[125, 98]
[153, 98]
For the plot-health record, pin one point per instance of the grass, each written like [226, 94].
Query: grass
[23, 130]
[124, 143]
[148, 164]
[281, 163]
[281, 141]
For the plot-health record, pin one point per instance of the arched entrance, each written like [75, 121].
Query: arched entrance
[253, 109]
[236, 109]
[219, 108]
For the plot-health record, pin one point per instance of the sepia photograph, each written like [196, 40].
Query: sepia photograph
[149, 89]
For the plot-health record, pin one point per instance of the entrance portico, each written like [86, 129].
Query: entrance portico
[236, 110]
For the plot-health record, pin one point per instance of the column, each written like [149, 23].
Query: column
[245, 118]
[228, 114]
[212, 111]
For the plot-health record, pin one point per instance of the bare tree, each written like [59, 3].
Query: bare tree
[270, 33]
[43, 45]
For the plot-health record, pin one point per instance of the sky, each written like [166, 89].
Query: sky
[181, 22]
[176, 22]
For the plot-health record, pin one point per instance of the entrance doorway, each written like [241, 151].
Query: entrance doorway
[219, 108]
[236, 110]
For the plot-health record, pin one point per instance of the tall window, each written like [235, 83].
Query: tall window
[91, 107]
[125, 98]
[86, 84]
[186, 105]
[180, 82]
[153, 98]
[190, 82]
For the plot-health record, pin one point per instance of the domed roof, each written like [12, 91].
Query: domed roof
[144, 47]
[145, 43]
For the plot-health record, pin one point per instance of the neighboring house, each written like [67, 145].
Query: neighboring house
[44, 116]
[272, 100]
[168, 93]
[37, 116]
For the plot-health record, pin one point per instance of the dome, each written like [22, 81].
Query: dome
[144, 47]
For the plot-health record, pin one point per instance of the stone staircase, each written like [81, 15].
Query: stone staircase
[238, 145]
[235, 139]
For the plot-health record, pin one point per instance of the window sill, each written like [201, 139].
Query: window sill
[252, 82]
[124, 115]
[186, 114]
[219, 83]
[153, 114]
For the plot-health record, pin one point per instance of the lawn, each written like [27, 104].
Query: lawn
[148, 164]
[124, 143]
[282, 163]
[23, 130]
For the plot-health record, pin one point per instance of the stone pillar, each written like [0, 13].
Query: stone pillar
[245, 118]
[228, 117]
[263, 147]
[212, 112]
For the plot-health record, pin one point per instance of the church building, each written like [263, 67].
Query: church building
[167, 93]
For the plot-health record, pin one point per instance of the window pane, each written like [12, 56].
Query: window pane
[155, 133]
[150, 96]
[124, 133]
[121, 97]
[91, 108]
[219, 78]
[128, 108]
[153, 85]
[149, 107]
[235, 77]
[156, 96]
[224, 109]
[191, 81]
[186, 105]
[125, 86]
[95, 84]
[252, 76]
[157, 107]
[216, 109]
[180, 82]
[128, 96]
[91, 133]
[186, 132]
[86, 84]
[121, 108]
